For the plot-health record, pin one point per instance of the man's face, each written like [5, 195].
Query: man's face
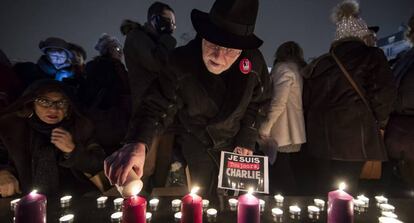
[169, 16]
[57, 57]
[218, 59]
[371, 39]
[116, 52]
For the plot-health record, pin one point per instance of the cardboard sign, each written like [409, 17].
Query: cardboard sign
[239, 172]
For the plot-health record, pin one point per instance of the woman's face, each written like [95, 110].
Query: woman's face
[51, 107]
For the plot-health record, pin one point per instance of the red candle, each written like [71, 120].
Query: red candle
[192, 208]
[340, 206]
[134, 209]
[248, 209]
[31, 208]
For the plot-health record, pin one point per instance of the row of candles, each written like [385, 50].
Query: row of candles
[340, 208]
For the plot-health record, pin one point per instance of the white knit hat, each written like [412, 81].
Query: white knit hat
[347, 20]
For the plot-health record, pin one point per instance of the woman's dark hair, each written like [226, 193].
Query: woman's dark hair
[290, 52]
[156, 9]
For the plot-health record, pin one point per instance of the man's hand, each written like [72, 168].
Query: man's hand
[63, 140]
[130, 157]
[8, 184]
[243, 151]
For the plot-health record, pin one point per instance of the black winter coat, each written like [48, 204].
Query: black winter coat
[339, 126]
[145, 56]
[185, 89]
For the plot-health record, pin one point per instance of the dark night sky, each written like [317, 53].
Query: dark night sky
[25, 22]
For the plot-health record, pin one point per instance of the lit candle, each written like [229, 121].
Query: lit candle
[69, 218]
[148, 216]
[13, 204]
[388, 220]
[381, 199]
[387, 207]
[340, 206]
[116, 217]
[31, 208]
[211, 213]
[294, 211]
[177, 216]
[65, 201]
[248, 209]
[101, 201]
[359, 205]
[262, 205]
[118, 203]
[134, 209]
[279, 198]
[364, 199]
[277, 214]
[233, 204]
[192, 208]
[206, 203]
[153, 203]
[389, 214]
[319, 203]
[313, 212]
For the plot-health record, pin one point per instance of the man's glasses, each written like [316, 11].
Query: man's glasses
[46, 103]
[227, 51]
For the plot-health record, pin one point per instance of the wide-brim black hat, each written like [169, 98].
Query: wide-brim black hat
[230, 23]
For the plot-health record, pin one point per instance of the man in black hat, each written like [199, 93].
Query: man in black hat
[216, 87]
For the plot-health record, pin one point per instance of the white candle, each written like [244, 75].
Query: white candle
[176, 203]
[233, 202]
[389, 214]
[116, 217]
[148, 216]
[212, 213]
[294, 209]
[65, 201]
[13, 204]
[279, 198]
[205, 203]
[388, 220]
[101, 200]
[387, 207]
[118, 202]
[277, 212]
[313, 209]
[319, 203]
[67, 218]
[381, 199]
[177, 216]
[359, 203]
[364, 199]
[262, 205]
[153, 203]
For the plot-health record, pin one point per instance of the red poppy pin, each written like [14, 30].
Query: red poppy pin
[245, 66]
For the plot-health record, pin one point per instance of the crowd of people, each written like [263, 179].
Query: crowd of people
[347, 115]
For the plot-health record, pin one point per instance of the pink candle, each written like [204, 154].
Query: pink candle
[248, 209]
[134, 209]
[192, 208]
[340, 206]
[31, 208]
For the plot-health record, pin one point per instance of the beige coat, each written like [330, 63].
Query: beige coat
[285, 122]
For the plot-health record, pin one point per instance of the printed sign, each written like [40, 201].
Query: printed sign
[239, 172]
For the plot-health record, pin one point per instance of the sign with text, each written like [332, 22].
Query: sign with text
[239, 172]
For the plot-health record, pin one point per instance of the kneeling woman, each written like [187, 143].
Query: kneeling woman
[46, 144]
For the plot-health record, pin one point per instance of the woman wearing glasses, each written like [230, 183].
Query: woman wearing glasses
[46, 144]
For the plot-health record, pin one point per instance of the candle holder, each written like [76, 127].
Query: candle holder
[319, 203]
[313, 212]
[389, 214]
[13, 204]
[176, 205]
[177, 217]
[387, 207]
[233, 204]
[262, 205]
[211, 215]
[277, 214]
[153, 203]
[359, 206]
[101, 201]
[69, 218]
[364, 199]
[118, 203]
[116, 217]
[388, 220]
[65, 201]
[279, 200]
[294, 212]
[148, 216]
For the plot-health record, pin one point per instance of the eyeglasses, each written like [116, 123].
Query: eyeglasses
[46, 103]
[226, 51]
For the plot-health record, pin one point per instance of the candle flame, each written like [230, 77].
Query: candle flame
[135, 191]
[250, 191]
[194, 190]
[33, 192]
[342, 186]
